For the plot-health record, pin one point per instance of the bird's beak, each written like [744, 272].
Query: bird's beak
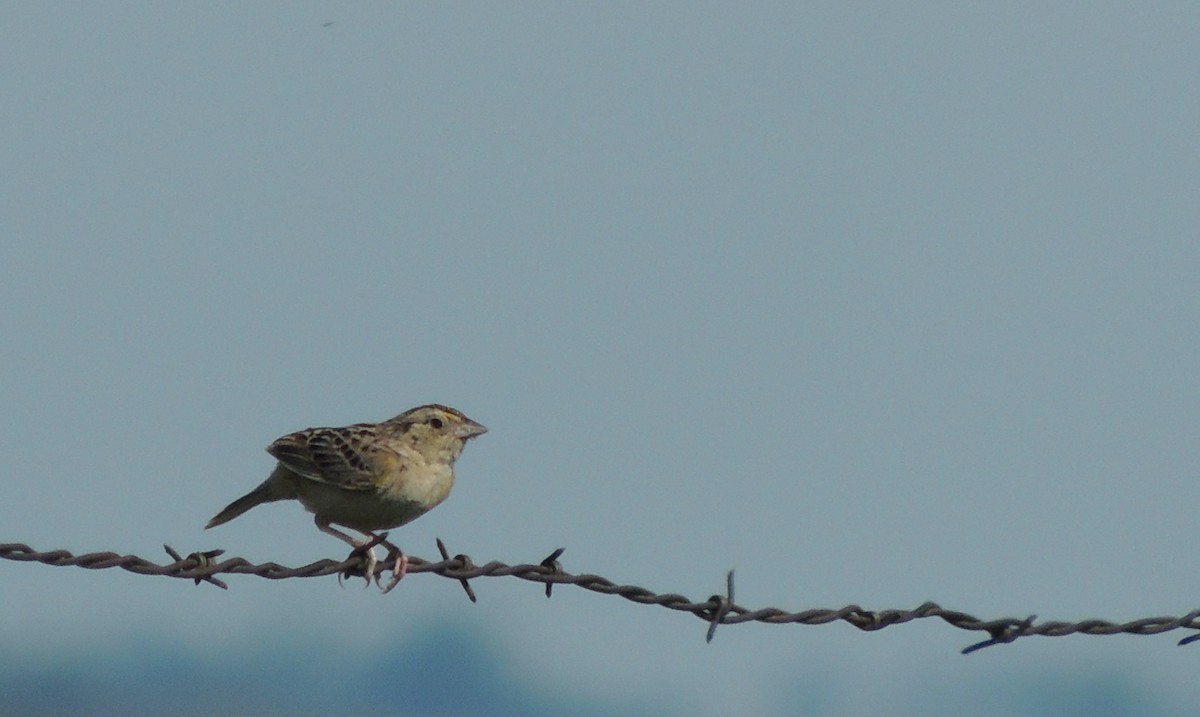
[470, 429]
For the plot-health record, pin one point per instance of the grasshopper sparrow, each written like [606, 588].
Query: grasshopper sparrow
[369, 476]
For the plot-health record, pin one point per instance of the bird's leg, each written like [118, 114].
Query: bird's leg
[399, 567]
[362, 549]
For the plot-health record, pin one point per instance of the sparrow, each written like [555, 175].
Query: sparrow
[367, 477]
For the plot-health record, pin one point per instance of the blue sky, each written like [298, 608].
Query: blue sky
[876, 305]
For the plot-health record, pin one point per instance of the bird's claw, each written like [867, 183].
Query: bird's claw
[399, 568]
[364, 553]
[363, 563]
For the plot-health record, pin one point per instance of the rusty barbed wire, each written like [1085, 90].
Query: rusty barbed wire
[716, 610]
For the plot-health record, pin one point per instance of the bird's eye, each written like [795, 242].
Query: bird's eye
[435, 422]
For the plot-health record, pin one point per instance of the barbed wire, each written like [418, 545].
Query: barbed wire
[716, 610]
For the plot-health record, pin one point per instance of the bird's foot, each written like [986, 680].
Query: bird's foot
[363, 555]
[399, 567]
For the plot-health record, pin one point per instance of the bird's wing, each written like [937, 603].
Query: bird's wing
[347, 457]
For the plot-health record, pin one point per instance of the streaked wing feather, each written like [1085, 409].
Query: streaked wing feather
[339, 456]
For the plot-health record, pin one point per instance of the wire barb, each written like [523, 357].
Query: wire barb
[721, 605]
[555, 568]
[196, 561]
[1003, 634]
[464, 562]
[717, 610]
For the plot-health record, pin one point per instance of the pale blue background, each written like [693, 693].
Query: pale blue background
[877, 303]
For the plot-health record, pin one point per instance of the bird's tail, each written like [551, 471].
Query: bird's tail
[258, 496]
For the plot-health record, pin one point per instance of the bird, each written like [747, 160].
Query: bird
[367, 476]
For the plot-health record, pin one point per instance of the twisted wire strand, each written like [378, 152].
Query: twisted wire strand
[716, 610]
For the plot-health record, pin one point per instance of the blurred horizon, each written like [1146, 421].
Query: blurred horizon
[456, 668]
